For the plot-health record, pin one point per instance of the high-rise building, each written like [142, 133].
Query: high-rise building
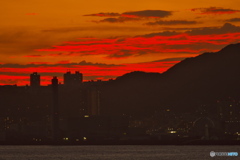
[72, 79]
[55, 109]
[34, 79]
[94, 101]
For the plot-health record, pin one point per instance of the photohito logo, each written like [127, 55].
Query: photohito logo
[213, 154]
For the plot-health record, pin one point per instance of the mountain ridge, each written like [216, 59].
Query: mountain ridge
[184, 87]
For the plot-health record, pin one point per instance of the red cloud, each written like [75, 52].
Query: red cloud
[64, 62]
[31, 14]
[22, 80]
[37, 63]
[135, 46]
[33, 56]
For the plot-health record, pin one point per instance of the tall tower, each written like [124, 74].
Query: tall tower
[72, 79]
[94, 101]
[34, 79]
[67, 78]
[78, 77]
[55, 109]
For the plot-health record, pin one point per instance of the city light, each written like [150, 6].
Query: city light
[66, 139]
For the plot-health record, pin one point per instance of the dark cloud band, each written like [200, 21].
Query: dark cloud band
[172, 22]
[215, 10]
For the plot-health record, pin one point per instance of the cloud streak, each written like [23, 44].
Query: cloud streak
[131, 16]
[119, 19]
[233, 20]
[148, 14]
[33, 56]
[44, 64]
[226, 28]
[172, 22]
[104, 14]
[160, 43]
[215, 10]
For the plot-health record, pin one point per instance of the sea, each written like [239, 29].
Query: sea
[117, 152]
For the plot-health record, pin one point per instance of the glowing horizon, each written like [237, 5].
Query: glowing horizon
[104, 40]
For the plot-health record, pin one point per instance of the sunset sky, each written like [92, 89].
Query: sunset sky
[105, 39]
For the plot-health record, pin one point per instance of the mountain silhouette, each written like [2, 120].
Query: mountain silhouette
[193, 82]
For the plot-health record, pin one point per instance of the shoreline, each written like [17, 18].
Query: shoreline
[198, 142]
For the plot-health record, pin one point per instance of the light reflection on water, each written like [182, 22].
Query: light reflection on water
[118, 152]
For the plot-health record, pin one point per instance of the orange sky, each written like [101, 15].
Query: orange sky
[105, 39]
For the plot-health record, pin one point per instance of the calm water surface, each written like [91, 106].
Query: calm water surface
[122, 152]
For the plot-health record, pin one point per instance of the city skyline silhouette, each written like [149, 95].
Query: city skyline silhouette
[119, 79]
[138, 107]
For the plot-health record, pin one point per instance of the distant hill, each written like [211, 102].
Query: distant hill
[138, 76]
[193, 82]
[205, 78]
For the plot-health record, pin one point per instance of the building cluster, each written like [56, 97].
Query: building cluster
[70, 79]
[72, 112]
[216, 121]
[58, 112]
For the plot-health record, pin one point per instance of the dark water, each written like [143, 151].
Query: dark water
[122, 152]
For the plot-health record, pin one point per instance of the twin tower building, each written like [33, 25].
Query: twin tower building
[73, 80]
[69, 79]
